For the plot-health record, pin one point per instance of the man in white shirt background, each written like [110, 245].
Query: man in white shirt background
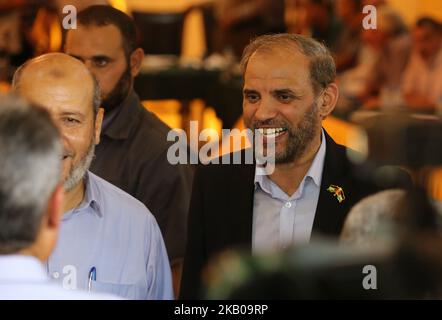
[422, 80]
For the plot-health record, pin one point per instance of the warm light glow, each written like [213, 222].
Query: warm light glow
[119, 4]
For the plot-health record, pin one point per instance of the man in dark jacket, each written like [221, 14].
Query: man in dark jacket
[288, 90]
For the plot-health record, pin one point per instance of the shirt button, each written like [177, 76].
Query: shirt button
[287, 204]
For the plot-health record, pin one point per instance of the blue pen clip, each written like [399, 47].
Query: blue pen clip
[91, 277]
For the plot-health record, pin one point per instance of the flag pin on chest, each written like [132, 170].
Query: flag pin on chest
[337, 192]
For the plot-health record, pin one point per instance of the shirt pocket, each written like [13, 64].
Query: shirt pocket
[128, 291]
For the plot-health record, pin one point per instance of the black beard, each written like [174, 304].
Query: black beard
[119, 92]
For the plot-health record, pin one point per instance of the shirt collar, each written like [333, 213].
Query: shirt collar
[21, 267]
[91, 198]
[121, 125]
[314, 172]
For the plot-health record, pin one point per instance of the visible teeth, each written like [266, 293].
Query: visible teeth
[271, 131]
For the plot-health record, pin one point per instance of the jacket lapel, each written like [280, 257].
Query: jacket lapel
[330, 213]
[239, 206]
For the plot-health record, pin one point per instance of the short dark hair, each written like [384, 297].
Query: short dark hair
[30, 171]
[104, 15]
[322, 66]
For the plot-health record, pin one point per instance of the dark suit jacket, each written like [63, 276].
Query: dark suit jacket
[221, 209]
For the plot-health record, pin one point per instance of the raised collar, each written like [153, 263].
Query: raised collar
[314, 172]
[92, 198]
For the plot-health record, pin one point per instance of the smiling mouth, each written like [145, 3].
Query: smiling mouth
[272, 132]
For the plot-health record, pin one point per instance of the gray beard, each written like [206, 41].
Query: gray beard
[299, 137]
[78, 171]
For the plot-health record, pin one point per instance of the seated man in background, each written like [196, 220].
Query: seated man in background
[422, 80]
[380, 64]
[106, 235]
[132, 153]
[31, 200]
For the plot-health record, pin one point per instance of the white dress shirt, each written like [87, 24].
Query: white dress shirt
[280, 220]
[24, 278]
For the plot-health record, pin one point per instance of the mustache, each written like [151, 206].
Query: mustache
[270, 122]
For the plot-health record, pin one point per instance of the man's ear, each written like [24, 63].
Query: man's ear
[98, 123]
[328, 100]
[136, 59]
[54, 208]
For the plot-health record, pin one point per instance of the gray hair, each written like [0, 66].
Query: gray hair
[96, 99]
[322, 65]
[372, 218]
[30, 171]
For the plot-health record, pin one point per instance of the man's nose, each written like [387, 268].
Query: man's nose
[265, 110]
[61, 130]
[90, 66]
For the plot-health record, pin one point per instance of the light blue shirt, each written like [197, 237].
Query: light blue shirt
[115, 233]
[280, 220]
[24, 278]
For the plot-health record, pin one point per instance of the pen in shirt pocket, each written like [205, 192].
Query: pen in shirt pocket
[91, 277]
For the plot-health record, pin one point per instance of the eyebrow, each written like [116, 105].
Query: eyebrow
[284, 91]
[275, 92]
[70, 113]
[101, 57]
[247, 91]
[92, 58]
[76, 57]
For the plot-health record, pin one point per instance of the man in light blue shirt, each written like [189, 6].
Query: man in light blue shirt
[109, 242]
[128, 253]
[30, 202]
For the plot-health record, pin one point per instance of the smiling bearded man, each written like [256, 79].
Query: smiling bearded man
[289, 90]
[100, 222]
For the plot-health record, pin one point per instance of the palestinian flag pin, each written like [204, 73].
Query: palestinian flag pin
[338, 192]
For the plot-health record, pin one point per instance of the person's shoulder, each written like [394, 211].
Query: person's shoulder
[151, 128]
[338, 152]
[49, 291]
[229, 163]
[367, 174]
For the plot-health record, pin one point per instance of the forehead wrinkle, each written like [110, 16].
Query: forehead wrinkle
[285, 66]
[56, 70]
[76, 42]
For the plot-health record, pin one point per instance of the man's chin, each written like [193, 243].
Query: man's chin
[277, 151]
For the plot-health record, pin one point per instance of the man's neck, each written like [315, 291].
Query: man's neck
[74, 197]
[288, 176]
